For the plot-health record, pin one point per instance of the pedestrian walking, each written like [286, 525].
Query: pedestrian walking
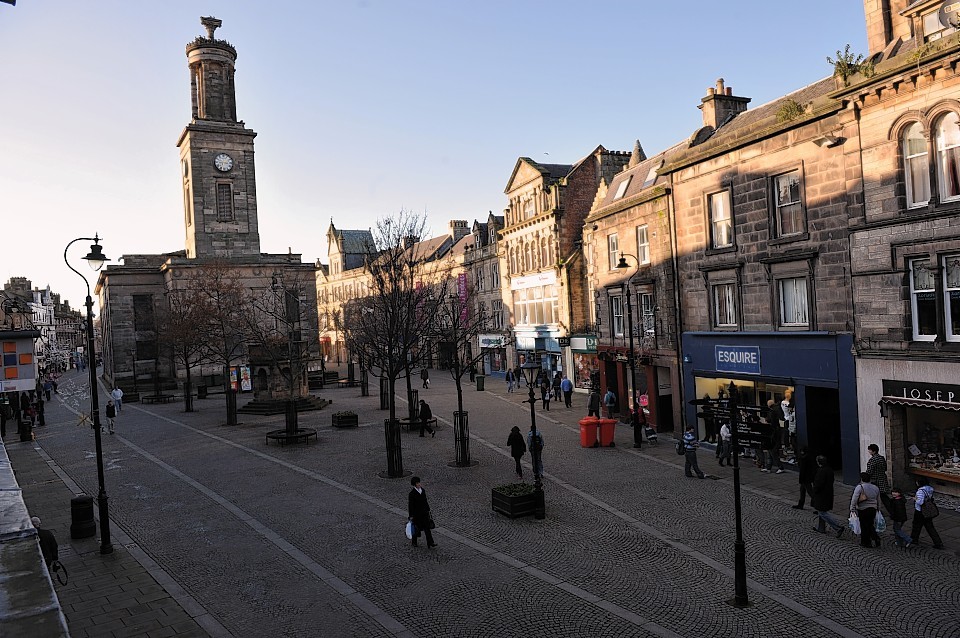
[877, 469]
[690, 445]
[111, 415]
[517, 448]
[3, 419]
[898, 514]
[425, 377]
[47, 388]
[726, 444]
[48, 543]
[418, 509]
[509, 379]
[557, 382]
[864, 503]
[545, 393]
[771, 448]
[593, 403]
[24, 403]
[535, 445]
[788, 407]
[610, 402]
[39, 406]
[822, 498]
[807, 465]
[566, 386]
[117, 396]
[925, 510]
[425, 414]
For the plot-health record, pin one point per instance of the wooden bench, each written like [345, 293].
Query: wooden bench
[347, 383]
[155, 398]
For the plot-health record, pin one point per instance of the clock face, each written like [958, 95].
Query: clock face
[223, 162]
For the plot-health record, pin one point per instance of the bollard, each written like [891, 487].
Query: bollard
[82, 524]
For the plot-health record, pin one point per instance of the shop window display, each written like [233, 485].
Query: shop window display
[933, 443]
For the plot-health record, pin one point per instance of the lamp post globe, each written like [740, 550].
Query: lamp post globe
[95, 258]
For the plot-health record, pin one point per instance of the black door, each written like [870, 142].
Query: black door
[823, 424]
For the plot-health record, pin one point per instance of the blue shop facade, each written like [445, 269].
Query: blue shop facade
[817, 367]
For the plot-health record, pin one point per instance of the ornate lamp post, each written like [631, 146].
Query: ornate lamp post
[530, 369]
[96, 259]
[634, 416]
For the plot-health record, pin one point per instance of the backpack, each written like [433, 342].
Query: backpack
[681, 447]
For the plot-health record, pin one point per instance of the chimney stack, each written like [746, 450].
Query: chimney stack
[720, 103]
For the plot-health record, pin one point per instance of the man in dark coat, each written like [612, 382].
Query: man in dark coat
[48, 542]
[822, 500]
[518, 448]
[807, 465]
[419, 511]
[593, 404]
[425, 415]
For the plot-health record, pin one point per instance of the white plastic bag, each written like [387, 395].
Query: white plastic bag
[410, 530]
[880, 524]
[854, 523]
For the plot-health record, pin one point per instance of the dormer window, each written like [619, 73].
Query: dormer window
[622, 188]
[651, 176]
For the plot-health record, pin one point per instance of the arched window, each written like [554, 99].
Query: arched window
[948, 156]
[544, 257]
[527, 257]
[513, 260]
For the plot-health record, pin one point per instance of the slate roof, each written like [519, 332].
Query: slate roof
[637, 175]
[356, 241]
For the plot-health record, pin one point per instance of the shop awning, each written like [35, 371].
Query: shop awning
[920, 403]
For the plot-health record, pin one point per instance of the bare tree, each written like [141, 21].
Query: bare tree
[460, 325]
[221, 288]
[384, 327]
[180, 332]
[275, 328]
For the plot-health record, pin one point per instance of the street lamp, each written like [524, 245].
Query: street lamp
[740, 599]
[530, 369]
[634, 417]
[96, 259]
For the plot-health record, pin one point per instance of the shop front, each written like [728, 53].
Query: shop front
[542, 346]
[493, 347]
[922, 423]
[586, 365]
[817, 368]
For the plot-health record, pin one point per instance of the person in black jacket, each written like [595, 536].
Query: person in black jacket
[807, 465]
[425, 415]
[822, 500]
[48, 542]
[518, 448]
[419, 511]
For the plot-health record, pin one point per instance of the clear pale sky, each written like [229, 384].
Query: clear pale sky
[361, 107]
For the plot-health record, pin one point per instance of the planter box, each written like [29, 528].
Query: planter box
[514, 506]
[350, 421]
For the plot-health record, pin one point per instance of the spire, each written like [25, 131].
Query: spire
[637, 156]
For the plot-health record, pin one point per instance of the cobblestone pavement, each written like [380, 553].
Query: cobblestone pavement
[307, 540]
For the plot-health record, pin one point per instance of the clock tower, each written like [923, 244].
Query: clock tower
[216, 157]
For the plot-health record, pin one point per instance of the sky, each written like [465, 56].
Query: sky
[362, 107]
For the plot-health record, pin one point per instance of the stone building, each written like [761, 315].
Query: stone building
[482, 264]
[905, 250]
[221, 232]
[763, 201]
[542, 256]
[632, 218]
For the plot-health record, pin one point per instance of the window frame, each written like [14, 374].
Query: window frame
[229, 200]
[782, 320]
[643, 249]
[613, 250]
[712, 221]
[941, 153]
[948, 318]
[777, 207]
[616, 315]
[914, 292]
[908, 171]
[715, 287]
[622, 188]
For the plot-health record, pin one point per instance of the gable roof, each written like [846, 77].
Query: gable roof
[356, 241]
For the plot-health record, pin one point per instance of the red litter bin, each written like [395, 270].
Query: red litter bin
[607, 429]
[588, 431]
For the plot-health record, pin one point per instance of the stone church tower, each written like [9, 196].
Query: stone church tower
[216, 157]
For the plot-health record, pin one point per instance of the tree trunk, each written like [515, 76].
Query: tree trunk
[188, 392]
[231, 397]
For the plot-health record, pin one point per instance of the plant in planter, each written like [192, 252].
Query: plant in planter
[514, 499]
[345, 419]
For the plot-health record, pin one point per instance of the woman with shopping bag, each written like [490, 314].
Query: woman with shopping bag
[864, 505]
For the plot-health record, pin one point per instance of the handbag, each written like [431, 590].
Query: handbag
[854, 523]
[879, 523]
[431, 524]
[929, 508]
[681, 448]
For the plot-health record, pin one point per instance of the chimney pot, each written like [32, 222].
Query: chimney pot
[720, 86]
[711, 91]
[729, 90]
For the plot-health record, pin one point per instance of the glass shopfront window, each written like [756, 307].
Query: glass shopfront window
[537, 305]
